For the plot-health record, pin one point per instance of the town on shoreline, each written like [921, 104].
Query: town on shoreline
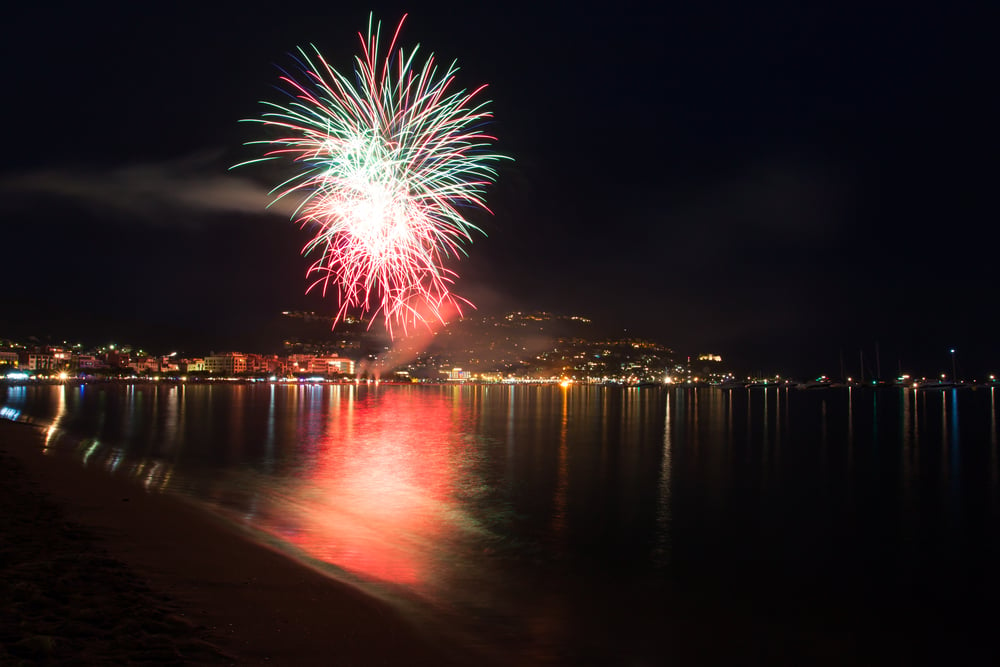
[533, 347]
[517, 347]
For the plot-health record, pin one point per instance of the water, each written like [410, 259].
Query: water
[593, 525]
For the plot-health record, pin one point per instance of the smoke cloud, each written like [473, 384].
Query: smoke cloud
[157, 193]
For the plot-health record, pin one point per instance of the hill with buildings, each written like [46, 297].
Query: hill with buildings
[536, 345]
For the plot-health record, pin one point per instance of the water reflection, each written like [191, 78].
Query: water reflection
[765, 440]
[850, 421]
[516, 503]
[378, 494]
[994, 471]
[993, 417]
[662, 552]
[53, 431]
[269, 442]
[560, 499]
[944, 421]
[908, 449]
[173, 422]
[953, 431]
[777, 420]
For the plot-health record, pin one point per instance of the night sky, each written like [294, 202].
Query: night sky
[780, 184]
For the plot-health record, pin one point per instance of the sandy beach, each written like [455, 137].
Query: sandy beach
[97, 571]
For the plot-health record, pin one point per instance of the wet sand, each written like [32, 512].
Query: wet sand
[94, 570]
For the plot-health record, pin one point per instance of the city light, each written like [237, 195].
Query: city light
[475, 350]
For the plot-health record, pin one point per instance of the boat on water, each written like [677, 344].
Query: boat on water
[926, 383]
[822, 382]
[731, 384]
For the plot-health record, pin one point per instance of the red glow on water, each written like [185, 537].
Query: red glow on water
[378, 494]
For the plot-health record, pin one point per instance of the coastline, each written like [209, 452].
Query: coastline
[211, 595]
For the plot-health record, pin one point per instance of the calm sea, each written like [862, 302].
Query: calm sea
[595, 525]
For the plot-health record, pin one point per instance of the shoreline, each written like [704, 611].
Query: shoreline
[238, 601]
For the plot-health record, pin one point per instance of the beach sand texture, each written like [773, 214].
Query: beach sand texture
[97, 571]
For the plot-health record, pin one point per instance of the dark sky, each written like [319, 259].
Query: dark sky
[779, 183]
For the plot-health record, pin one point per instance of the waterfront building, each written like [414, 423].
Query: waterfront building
[196, 365]
[230, 363]
[38, 361]
[88, 361]
[334, 365]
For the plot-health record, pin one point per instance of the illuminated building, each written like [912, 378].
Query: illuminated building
[322, 365]
[231, 363]
[192, 365]
[146, 365]
[88, 361]
[39, 362]
[263, 363]
[333, 365]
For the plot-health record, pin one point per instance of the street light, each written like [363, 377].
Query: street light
[954, 376]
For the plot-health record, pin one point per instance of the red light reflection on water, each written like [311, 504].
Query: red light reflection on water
[378, 495]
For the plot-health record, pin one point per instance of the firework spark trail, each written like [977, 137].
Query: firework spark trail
[385, 166]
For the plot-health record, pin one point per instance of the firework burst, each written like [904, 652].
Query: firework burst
[386, 164]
